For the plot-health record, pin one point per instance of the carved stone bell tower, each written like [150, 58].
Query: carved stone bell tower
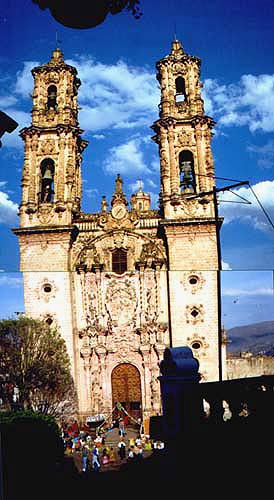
[188, 207]
[51, 181]
[51, 196]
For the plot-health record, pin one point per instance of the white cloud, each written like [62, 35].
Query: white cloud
[154, 200]
[265, 154]
[249, 102]
[117, 95]
[126, 159]
[7, 101]
[24, 79]
[226, 266]
[135, 186]
[152, 184]
[8, 210]
[251, 214]
[91, 192]
[11, 280]
[99, 136]
[238, 292]
[13, 139]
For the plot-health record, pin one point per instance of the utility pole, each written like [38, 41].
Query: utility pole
[216, 216]
[219, 256]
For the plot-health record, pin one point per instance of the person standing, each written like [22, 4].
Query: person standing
[112, 456]
[122, 449]
[85, 454]
[95, 464]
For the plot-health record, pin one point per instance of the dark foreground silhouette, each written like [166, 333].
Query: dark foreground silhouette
[230, 459]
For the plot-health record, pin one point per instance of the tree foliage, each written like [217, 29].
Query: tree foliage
[34, 359]
[81, 14]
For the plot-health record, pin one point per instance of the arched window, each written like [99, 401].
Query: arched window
[119, 261]
[52, 97]
[180, 89]
[187, 175]
[47, 180]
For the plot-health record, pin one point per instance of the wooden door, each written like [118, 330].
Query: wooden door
[126, 389]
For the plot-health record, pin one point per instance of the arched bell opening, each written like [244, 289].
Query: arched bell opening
[187, 174]
[52, 97]
[180, 89]
[47, 180]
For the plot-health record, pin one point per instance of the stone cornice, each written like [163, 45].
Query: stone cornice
[45, 230]
[191, 222]
[33, 130]
[172, 59]
[48, 68]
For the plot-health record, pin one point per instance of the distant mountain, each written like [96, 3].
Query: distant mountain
[257, 338]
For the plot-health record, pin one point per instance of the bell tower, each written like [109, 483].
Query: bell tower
[183, 134]
[188, 208]
[51, 196]
[51, 181]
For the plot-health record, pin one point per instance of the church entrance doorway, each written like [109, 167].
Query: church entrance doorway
[126, 390]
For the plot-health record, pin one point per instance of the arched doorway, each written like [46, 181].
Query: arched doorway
[126, 389]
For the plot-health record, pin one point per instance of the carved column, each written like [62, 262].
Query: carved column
[142, 279]
[157, 294]
[200, 164]
[173, 166]
[33, 186]
[85, 354]
[145, 350]
[101, 353]
[99, 289]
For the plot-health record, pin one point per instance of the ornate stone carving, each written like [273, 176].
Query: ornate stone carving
[152, 252]
[46, 290]
[45, 213]
[193, 282]
[119, 239]
[47, 146]
[195, 313]
[121, 302]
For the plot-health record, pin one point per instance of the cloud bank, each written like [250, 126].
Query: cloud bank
[250, 102]
[251, 214]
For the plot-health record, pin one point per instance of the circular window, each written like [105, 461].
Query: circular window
[49, 321]
[193, 280]
[196, 345]
[194, 313]
[47, 288]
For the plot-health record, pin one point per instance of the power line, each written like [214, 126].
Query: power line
[240, 182]
[261, 206]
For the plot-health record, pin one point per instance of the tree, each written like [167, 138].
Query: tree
[35, 367]
[82, 14]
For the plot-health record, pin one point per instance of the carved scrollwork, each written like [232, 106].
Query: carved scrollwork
[152, 253]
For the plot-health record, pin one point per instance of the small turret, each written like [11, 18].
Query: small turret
[140, 201]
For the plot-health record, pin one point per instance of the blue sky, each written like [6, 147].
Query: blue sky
[119, 99]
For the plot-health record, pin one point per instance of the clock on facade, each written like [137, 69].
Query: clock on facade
[118, 211]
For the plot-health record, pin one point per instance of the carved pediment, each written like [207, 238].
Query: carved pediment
[152, 253]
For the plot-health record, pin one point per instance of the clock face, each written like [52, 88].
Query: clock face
[118, 212]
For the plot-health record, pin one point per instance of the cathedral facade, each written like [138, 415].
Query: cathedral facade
[128, 281]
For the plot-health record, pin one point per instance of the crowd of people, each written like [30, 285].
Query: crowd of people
[94, 451]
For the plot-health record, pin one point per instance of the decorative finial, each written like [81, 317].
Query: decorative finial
[104, 204]
[177, 48]
[57, 41]
[175, 36]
